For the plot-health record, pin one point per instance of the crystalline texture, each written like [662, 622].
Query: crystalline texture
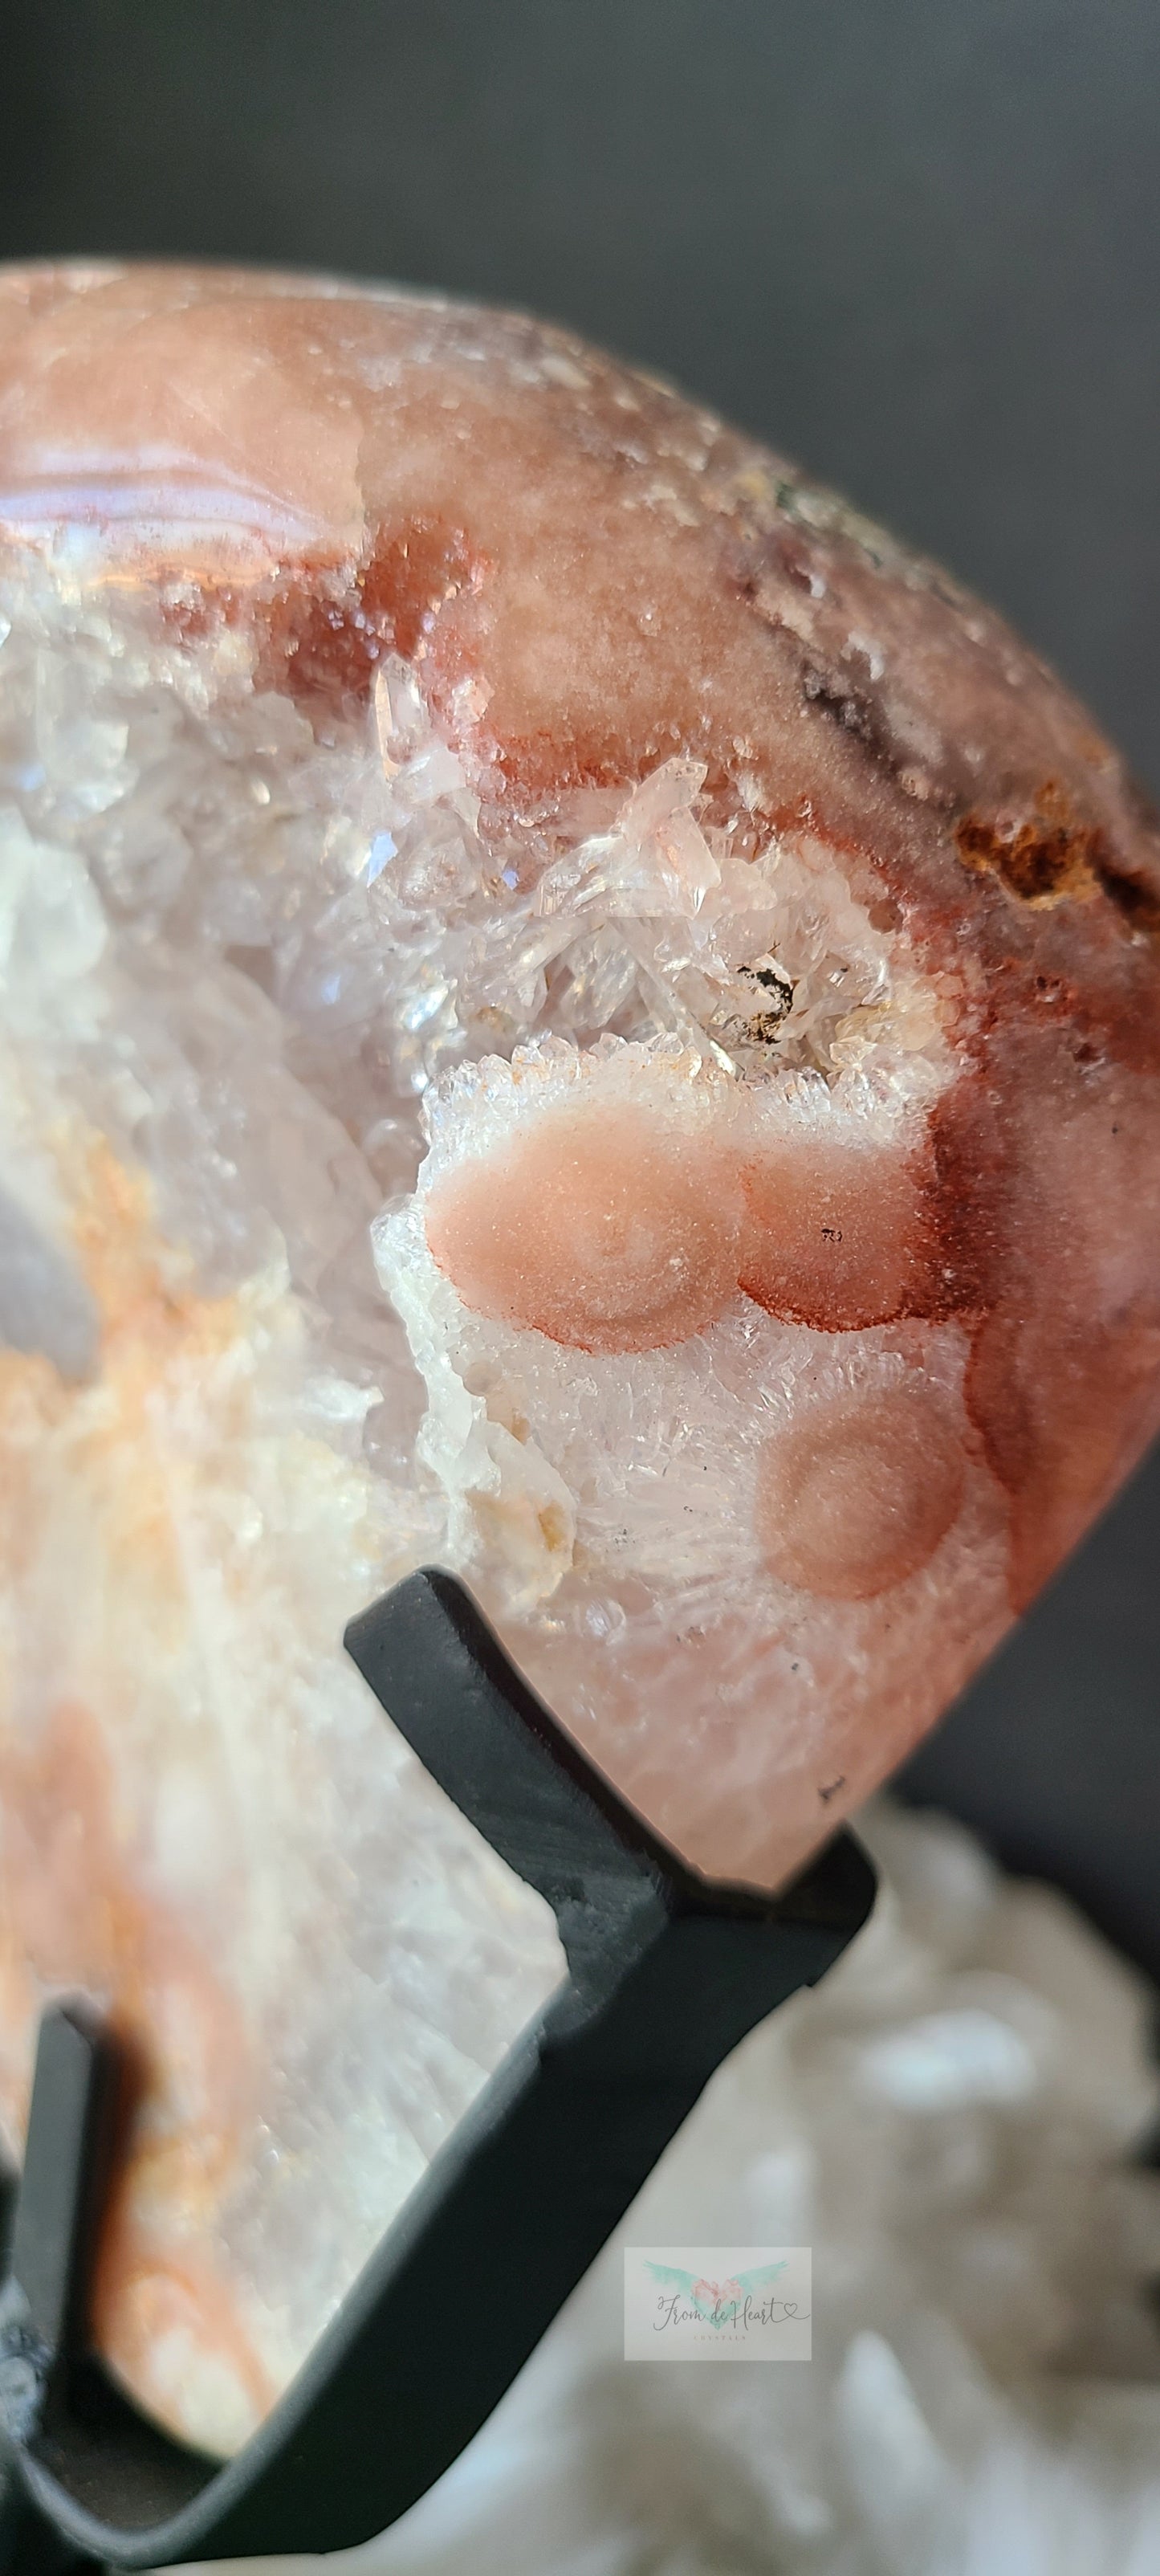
[570, 1008]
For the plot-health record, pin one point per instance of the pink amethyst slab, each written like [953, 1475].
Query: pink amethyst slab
[570, 1008]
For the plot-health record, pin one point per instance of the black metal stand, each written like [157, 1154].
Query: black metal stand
[666, 1973]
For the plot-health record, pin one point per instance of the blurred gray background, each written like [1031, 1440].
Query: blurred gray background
[914, 242]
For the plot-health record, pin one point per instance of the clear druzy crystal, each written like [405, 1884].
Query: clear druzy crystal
[571, 1009]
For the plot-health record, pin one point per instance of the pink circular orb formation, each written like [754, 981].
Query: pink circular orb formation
[838, 1236]
[858, 1496]
[608, 1231]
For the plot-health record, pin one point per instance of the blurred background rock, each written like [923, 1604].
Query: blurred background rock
[915, 243]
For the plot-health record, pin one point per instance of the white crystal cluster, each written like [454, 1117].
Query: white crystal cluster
[950, 2121]
[272, 956]
[352, 876]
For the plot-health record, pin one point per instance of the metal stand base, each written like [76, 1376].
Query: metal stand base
[666, 1973]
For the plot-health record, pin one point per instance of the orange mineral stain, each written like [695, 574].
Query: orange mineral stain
[74, 1917]
[80, 1909]
[157, 2316]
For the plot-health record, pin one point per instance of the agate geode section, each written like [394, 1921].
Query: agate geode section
[568, 1008]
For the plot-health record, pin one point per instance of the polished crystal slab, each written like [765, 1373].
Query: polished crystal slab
[570, 1009]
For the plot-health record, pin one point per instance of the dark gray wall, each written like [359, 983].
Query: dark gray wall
[916, 242]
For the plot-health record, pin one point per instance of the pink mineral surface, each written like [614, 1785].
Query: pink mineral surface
[572, 1009]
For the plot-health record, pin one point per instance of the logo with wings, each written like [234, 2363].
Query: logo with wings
[715, 2302]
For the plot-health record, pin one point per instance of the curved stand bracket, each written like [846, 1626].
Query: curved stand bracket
[666, 1973]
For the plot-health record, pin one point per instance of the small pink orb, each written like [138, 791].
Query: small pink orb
[606, 1228]
[837, 1235]
[859, 1495]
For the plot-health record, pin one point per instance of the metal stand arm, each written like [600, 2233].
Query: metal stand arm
[667, 1972]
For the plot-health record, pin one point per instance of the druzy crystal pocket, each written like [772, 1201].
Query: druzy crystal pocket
[569, 1009]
